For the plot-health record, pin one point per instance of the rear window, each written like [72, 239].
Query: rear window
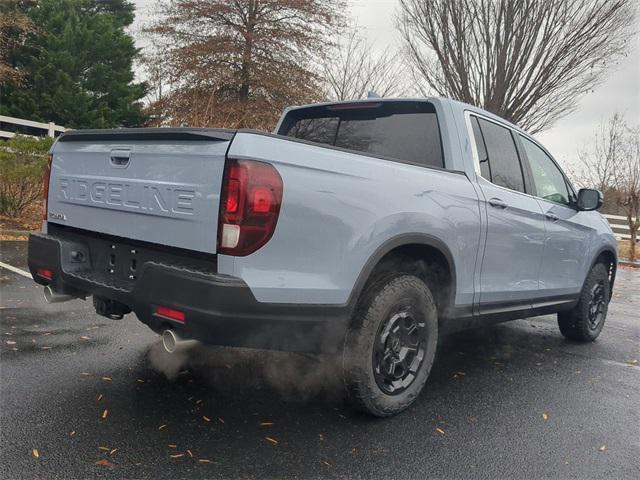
[404, 131]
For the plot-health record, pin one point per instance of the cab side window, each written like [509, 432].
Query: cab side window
[547, 178]
[502, 165]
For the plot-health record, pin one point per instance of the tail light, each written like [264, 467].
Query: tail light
[249, 206]
[45, 188]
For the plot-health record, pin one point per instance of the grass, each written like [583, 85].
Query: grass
[624, 247]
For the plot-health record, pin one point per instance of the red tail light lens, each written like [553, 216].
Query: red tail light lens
[45, 188]
[249, 207]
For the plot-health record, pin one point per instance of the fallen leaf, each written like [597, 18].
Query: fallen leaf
[272, 440]
[206, 419]
[104, 462]
[161, 427]
[603, 448]
[106, 379]
[633, 362]
[204, 460]
[171, 445]
[99, 398]
[439, 430]
[45, 348]
[10, 342]
[189, 453]
[105, 413]
[198, 401]
[84, 337]
[104, 449]
[72, 433]
[140, 380]
[177, 455]
[35, 453]
[266, 424]
[545, 416]
[220, 420]
[326, 463]
[111, 452]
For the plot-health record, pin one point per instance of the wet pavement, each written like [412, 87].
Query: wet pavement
[97, 398]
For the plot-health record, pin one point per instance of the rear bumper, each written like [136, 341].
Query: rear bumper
[219, 309]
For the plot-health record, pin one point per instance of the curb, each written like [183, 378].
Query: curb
[629, 264]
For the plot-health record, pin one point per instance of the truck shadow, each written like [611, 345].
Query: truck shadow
[301, 381]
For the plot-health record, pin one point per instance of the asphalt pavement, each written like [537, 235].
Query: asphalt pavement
[83, 396]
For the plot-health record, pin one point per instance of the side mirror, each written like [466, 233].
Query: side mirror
[589, 199]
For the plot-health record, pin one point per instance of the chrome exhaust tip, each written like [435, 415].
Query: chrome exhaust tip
[173, 343]
[52, 297]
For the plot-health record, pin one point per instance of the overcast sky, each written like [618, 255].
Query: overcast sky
[620, 92]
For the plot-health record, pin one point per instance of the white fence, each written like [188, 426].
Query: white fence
[619, 226]
[51, 128]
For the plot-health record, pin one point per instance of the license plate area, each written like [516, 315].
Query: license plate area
[119, 263]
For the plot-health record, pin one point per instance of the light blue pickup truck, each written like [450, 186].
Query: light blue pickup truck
[363, 229]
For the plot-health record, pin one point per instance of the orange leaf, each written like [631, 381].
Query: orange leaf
[104, 462]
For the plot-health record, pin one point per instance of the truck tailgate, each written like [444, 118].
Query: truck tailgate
[156, 185]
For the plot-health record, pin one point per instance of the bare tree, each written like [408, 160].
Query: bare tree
[352, 70]
[528, 61]
[15, 28]
[239, 63]
[627, 186]
[611, 163]
[600, 160]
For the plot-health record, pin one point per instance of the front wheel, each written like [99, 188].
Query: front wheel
[391, 344]
[584, 322]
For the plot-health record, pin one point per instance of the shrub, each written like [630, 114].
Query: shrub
[22, 163]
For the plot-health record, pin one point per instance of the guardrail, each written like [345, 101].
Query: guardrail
[51, 128]
[619, 226]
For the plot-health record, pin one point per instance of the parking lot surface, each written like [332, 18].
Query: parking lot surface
[83, 396]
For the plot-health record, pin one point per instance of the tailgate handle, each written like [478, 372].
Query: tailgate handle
[120, 158]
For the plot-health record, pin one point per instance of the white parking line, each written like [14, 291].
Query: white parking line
[15, 270]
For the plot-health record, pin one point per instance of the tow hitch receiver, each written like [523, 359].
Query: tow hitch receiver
[110, 308]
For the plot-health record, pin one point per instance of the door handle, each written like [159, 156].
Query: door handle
[551, 216]
[497, 203]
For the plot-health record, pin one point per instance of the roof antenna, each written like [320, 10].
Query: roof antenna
[372, 94]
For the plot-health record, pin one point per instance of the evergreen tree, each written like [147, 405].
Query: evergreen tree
[78, 66]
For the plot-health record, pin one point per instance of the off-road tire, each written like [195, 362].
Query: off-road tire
[394, 292]
[578, 323]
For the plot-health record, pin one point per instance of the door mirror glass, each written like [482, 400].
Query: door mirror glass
[589, 199]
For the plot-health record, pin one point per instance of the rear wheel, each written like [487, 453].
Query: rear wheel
[585, 321]
[390, 347]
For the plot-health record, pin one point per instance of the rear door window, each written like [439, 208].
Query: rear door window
[503, 164]
[404, 131]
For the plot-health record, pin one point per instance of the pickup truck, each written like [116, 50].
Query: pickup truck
[363, 230]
